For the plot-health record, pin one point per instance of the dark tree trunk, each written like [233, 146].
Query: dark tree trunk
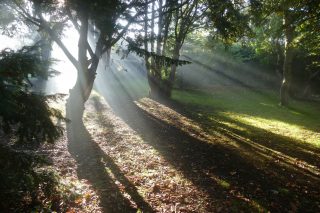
[166, 24]
[155, 89]
[279, 63]
[287, 64]
[153, 70]
[160, 26]
[152, 27]
[87, 69]
[108, 57]
[172, 75]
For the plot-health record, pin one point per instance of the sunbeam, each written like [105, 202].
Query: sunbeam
[221, 70]
[159, 106]
[150, 175]
[68, 74]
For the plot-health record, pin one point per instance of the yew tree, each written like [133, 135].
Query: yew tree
[168, 23]
[52, 16]
[19, 103]
[165, 26]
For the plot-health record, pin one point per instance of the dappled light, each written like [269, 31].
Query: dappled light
[295, 132]
[264, 157]
[141, 170]
[179, 121]
[159, 106]
[222, 135]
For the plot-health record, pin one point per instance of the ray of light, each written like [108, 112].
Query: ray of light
[170, 116]
[68, 74]
[142, 164]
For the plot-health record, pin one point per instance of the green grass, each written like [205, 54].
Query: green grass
[255, 113]
[283, 142]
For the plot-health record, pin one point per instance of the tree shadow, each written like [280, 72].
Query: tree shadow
[213, 122]
[206, 164]
[282, 171]
[93, 164]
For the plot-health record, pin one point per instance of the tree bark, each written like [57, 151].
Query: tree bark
[279, 63]
[287, 65]
[82, 53]
[108, 57]
[172, 75]
[160, 26]
[152, 73]
[152, 27]
[166, 24]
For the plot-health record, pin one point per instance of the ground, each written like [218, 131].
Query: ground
[231, 150]
[225, 150]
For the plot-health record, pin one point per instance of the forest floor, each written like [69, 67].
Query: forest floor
[224, 151]
[195, 153]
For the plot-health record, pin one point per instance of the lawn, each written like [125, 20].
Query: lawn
[248, 153]
[255, 112]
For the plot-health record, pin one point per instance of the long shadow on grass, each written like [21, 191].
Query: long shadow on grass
[92, 163]
[212, 122]
[249, 103]
[207, 164]
[292, 175]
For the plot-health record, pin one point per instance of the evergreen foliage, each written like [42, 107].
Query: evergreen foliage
[161, 60]
[24, 113]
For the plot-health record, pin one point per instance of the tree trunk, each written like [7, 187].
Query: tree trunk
[155, 88]
[166, 24]
[172, 75]
[287, 64]
[279, 64]
[160, 26]
[152, 72]
[82, 78]
[87, 69]
[152, 27]
[108, 57]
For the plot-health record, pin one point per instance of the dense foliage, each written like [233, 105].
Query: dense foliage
[24, 113]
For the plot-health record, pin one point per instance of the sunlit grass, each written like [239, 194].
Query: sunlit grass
[224, 130]
[277, 127]
[228, 116]
[259, 110]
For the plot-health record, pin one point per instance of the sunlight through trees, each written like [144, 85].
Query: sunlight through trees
[159, 106]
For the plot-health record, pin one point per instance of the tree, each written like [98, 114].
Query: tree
[19, 104]
[185, 19]
[174, 20]
[228, 20]
[52, 16]
[161, 48]
[298, 16]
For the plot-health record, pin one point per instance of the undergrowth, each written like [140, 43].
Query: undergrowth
[29, 184]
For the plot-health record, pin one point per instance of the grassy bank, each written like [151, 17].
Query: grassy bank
[256, 110]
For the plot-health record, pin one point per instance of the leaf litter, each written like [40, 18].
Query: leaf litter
[143, 172]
